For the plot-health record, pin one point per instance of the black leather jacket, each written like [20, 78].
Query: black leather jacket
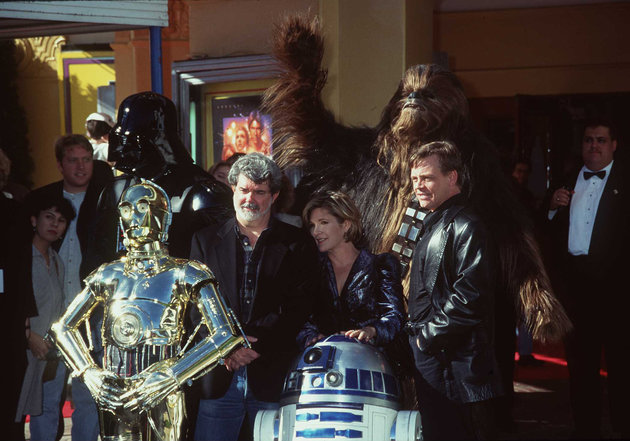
[451, 302]
[372, 296]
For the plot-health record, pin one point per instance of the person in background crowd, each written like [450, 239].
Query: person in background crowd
[82, 188]
[364, 289]
[11, 190]
[267, 271]
[589, 215]
[282, 207]
[451, 303]
[98, 126]
[220, 171]
[233, 158]
[45, 378]
[18, 304]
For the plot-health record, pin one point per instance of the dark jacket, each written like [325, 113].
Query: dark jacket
[286, 286]
[371, 296]
[86, 216]
[451, 302]
[611, 235]
[608, 257]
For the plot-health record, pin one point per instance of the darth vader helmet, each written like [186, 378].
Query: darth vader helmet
[145, 214]
[144, 142]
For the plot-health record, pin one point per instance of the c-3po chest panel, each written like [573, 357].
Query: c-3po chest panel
[143, 316]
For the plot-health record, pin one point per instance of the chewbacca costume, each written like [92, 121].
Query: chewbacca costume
[370, 164]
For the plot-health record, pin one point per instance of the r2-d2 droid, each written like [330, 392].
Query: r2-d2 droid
[339, 389]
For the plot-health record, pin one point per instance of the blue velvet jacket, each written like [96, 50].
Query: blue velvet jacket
[371, 296]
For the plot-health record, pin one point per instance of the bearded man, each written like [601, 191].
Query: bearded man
[268, 272]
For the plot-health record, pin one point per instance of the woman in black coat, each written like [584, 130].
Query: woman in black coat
[361, 293]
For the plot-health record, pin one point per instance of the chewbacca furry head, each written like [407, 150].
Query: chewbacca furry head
[428, 105]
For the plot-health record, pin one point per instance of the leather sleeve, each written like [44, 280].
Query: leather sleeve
[389, 301]
[466, 288]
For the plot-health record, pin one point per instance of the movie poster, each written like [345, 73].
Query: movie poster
[239, 127]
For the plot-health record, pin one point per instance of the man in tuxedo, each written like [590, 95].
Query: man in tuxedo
[268, 272]
[590, 219]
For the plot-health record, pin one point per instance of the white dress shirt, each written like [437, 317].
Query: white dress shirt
[70, 251]
[583, 209]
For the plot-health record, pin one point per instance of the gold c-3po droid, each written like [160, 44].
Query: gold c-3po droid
[145, 297]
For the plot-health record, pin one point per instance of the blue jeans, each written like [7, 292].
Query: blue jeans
[85, 416]
[44, 426]
[221, 419]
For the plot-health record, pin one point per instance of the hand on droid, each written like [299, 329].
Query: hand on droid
[365, 334]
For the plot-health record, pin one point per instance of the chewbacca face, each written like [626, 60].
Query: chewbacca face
[429, 104]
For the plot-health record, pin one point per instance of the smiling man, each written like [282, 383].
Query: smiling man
[451, 303]
[76, 165]
[268, 273]
[589, 218]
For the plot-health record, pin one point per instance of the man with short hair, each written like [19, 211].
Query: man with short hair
[76, 164]
[589, 219]
[97, 126]
[451, 303]
[268, 272]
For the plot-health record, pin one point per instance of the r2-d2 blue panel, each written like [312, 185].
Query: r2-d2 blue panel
[339, 388]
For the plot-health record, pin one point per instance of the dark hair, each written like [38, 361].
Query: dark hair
[235, 157]
[258, 168]
[214, 167]
[38, 202]
[447, 153]
[97, 129]
[342, 207]
[604, 122]
[64, 142]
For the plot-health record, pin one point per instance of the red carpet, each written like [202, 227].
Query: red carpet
[67, 411]
[555, 366]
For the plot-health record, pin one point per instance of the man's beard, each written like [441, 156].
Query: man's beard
[251, 212]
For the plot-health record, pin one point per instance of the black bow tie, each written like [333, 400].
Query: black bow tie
[599, 174]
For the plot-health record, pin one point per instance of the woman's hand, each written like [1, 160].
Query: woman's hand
[364, 334]
[38, 346]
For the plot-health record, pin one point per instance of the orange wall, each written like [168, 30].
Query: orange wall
[557, 50]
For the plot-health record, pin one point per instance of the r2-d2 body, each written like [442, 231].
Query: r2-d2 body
[339, 389]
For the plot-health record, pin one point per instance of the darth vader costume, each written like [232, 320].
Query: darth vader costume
[144, 144]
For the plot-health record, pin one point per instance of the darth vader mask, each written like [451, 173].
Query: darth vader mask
[144, 142]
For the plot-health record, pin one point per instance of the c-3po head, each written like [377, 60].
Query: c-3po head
[145, 215]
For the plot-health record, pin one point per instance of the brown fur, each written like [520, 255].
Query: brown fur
[371, 163]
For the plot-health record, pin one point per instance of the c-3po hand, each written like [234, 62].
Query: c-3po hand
[102, 385]
[154, 384]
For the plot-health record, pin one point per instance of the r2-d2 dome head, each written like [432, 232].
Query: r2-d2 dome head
[144, 141]
[339, 389]
[145, 214]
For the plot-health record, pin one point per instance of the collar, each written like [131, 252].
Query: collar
[270, 226]
[433, 217]
[606, 169]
